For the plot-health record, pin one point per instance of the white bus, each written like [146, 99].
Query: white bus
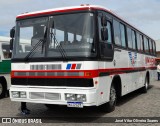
[79, 56]
[5, 66]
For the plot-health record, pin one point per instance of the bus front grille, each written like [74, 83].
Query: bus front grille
[44, 95]
[68, 82]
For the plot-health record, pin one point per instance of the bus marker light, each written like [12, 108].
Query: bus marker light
[88, 74]
[96, 82]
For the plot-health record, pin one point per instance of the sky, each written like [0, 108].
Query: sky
[143, 14]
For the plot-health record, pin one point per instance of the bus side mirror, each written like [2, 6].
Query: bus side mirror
[11, 44]
[104, 34]
[104, 21]
[12, 32]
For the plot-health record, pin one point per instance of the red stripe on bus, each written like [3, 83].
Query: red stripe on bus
[87, 73]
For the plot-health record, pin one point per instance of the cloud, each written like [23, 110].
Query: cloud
[141, 10]
[144, 14]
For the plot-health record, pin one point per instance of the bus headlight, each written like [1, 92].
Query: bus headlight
[75, 97]
[23, 94]
[19, 94]
[70, 97]
[15, 94]
[81, 97]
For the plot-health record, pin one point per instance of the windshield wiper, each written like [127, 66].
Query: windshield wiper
[59, 46]
[61, 50]
[32, 52]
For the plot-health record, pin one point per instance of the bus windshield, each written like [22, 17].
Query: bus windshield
[59, 36]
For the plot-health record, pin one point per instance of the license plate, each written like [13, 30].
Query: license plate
[75, 104]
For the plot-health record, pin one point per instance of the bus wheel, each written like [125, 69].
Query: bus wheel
[110, 106]
[2, 90]
[145, 88]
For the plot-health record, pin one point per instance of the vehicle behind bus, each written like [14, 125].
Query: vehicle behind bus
[5, 66]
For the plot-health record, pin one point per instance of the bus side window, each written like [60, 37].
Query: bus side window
[141, 43]
[129, 36]
[151, 46]
[138, 42]
[123, 35]
[146, 45]
[117, 33]
[154, 48]
[134, 40]
[109, 32]
[106, 48]
[109, 40]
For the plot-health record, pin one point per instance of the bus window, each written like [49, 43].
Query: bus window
[150, 47]
[146, 45]
[138, 42]
[133, 39]
[154, 48]
[141, 43]
[129, 36]
[122, 31]
[109, 31]
[106, 48]
[116, 32]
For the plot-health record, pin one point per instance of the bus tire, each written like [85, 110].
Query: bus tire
[3, 90]
[110, 106]
[146, 84]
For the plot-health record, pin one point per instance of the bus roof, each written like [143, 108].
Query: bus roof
[63, 9]
[4, 39]
[71, 9]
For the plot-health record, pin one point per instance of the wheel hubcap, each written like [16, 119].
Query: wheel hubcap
[1, 88]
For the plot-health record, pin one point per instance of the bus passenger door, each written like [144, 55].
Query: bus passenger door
[106, 51]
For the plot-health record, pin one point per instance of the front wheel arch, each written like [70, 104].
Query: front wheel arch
[115, 87]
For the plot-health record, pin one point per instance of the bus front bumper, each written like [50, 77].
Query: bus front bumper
[57, 96]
